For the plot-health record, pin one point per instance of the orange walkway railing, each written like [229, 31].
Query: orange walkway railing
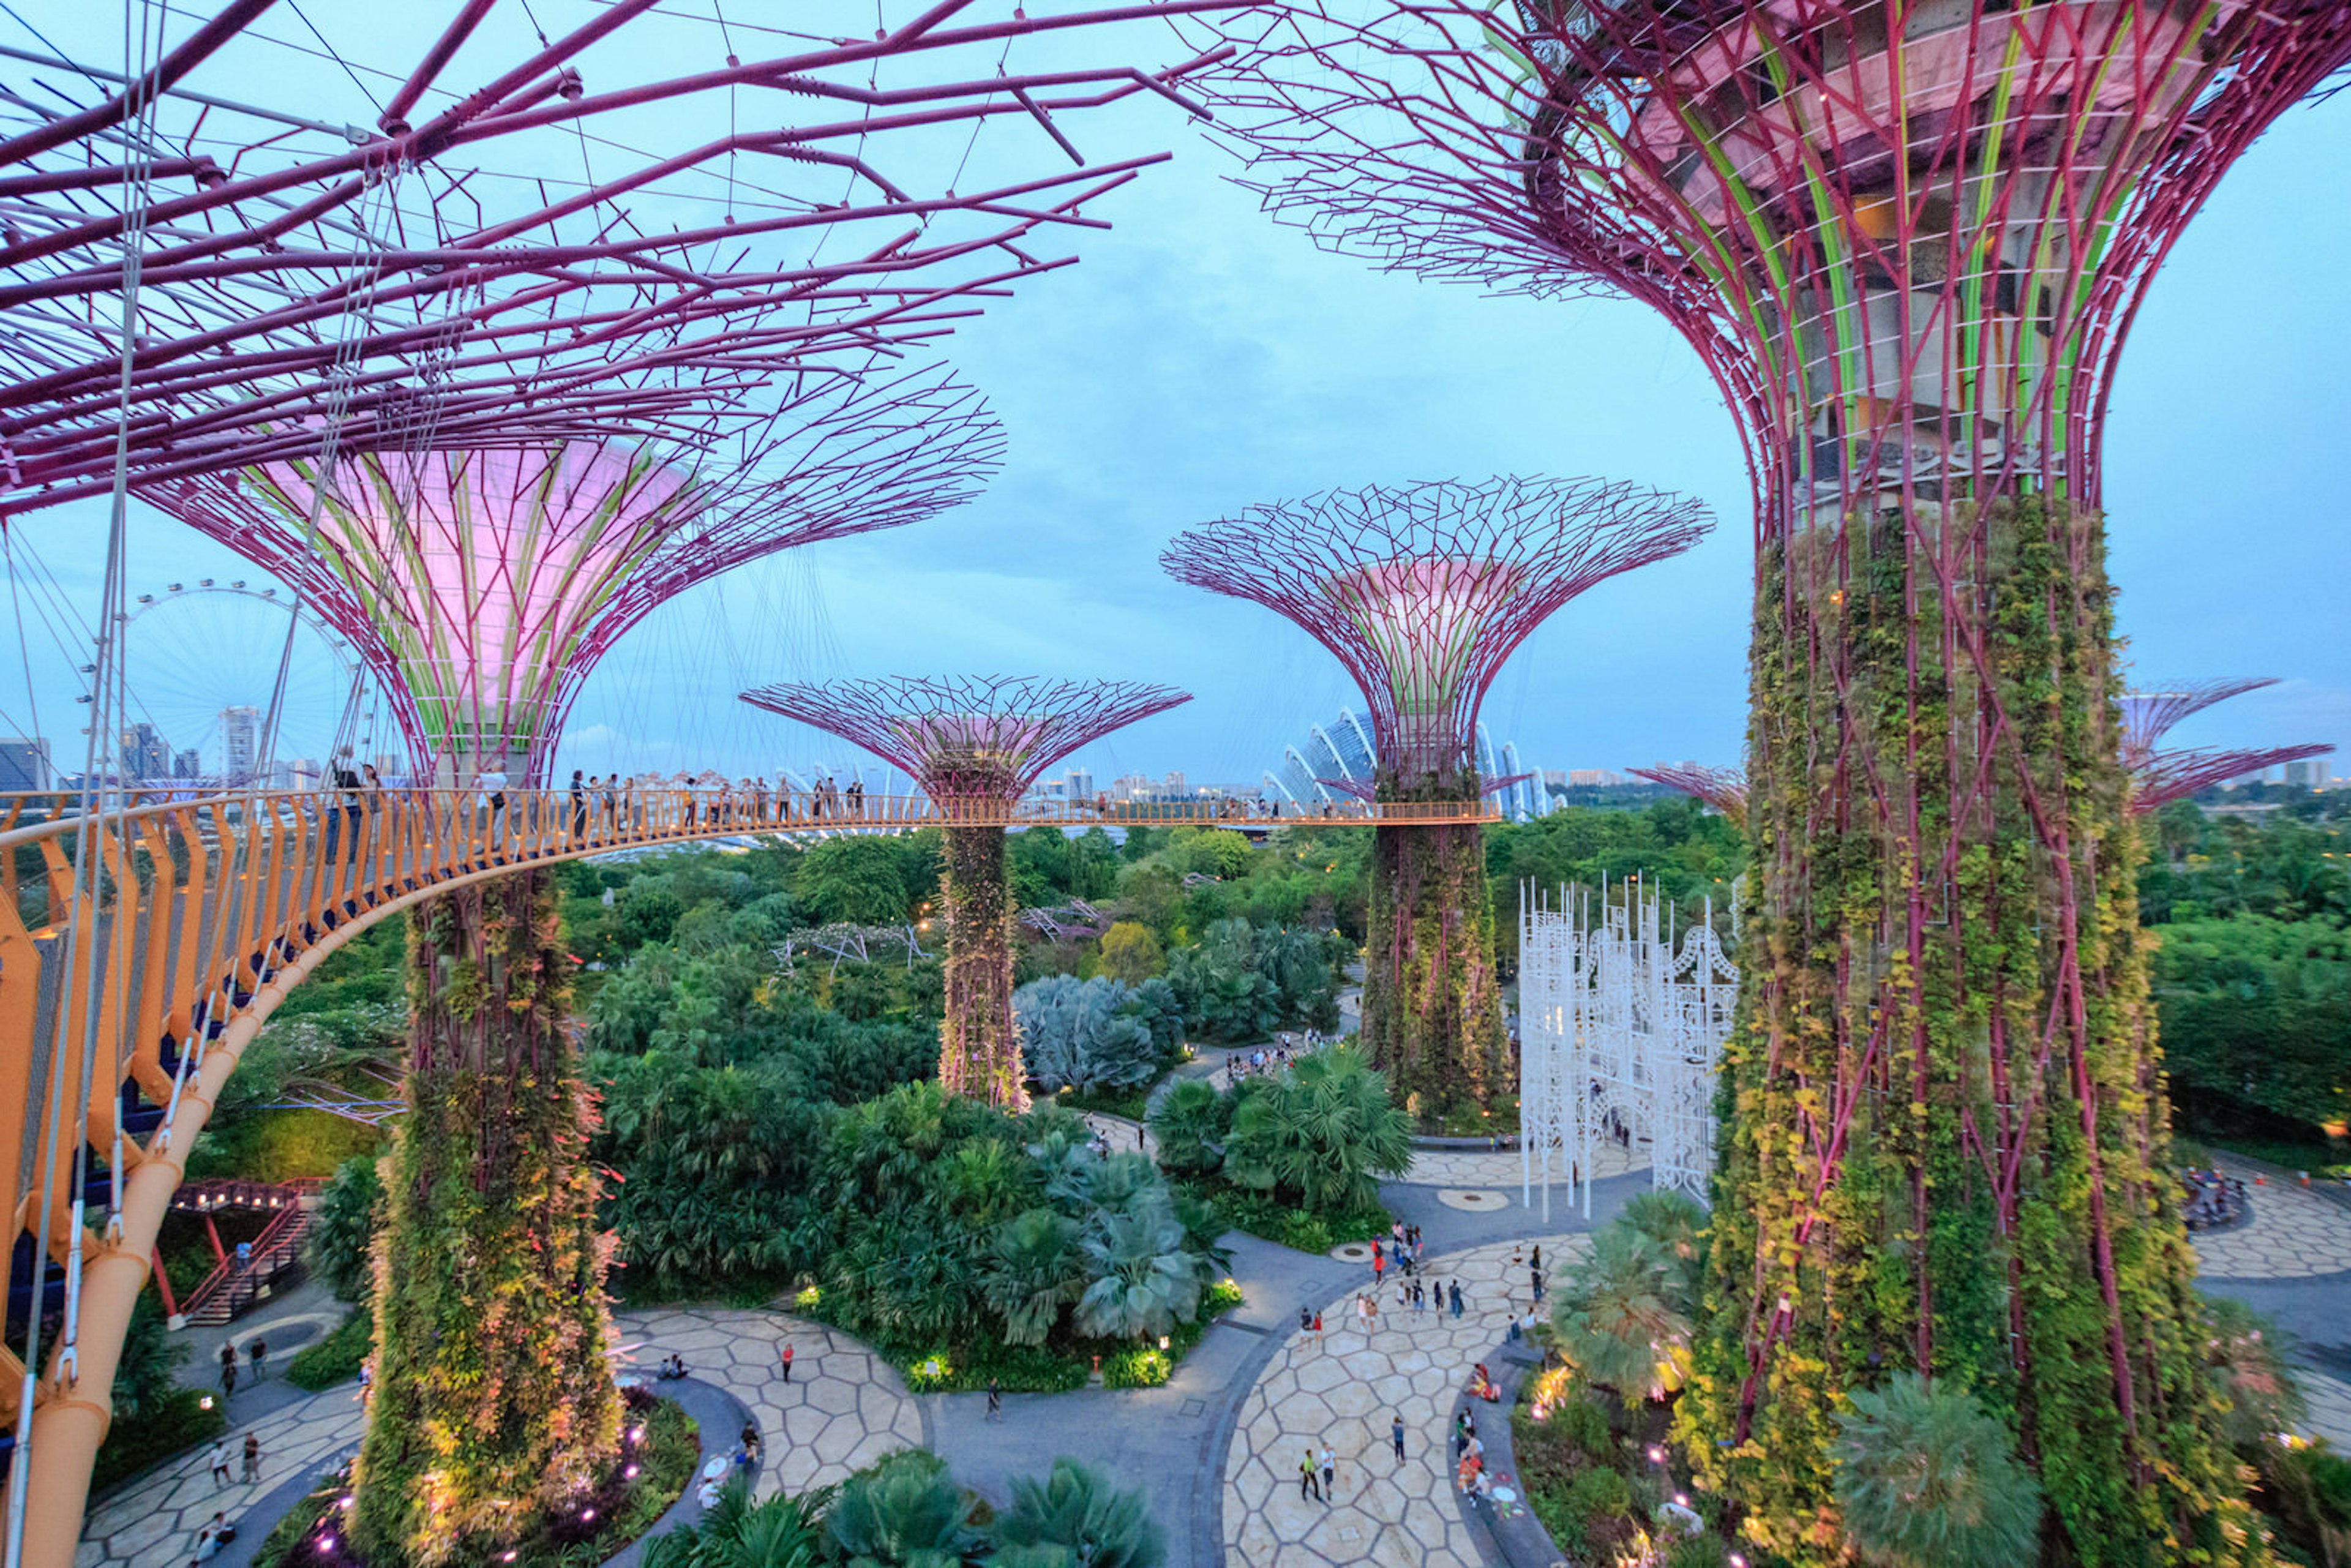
[121, 1016]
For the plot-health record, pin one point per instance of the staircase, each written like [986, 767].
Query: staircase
[275, 1253]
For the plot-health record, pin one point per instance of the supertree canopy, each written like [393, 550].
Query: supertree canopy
[1422, 591]
[1907, 242]
[485, 582]
[2160, 777]
[491, 257]
[1724, 789]
[974, 744]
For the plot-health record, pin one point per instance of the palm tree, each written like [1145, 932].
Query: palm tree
[1078, 1510]
[1032, 1273]
[1144, 1275]
[781, 1532]
[1326, 1131]
[1191, 1120]
[1675, 1227]
[1622, 1319]
[1927, 1478]
[904, 1512]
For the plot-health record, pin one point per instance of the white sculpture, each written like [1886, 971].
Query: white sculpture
[1618, 1036]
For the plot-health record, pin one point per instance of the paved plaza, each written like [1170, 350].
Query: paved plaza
[1342, 1392]
[2293, 1234]
[1505, 1170]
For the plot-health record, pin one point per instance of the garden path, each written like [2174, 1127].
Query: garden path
[1342, 1392]
[2293, 1234]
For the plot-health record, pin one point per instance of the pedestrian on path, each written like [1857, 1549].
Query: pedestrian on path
[1419, 1300]
[252, 1457]
[1305, 1320]
[1379, 1262]
[228, 1374]
[1318, 1328]
[1454, 1291]
[1362, 1312]
[995, 1401]
[220, 1462]
[1396, 1434]
[788, 1358]
[257, 1351]
[1308, 1484]
[1538, 1284]
[1329, 1475]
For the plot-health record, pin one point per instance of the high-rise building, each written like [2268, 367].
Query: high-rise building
[2308, 775]
[24, 763]
[188, 764]
[240, 729]
[144, 753]
[1174, 784]
[1080, 784]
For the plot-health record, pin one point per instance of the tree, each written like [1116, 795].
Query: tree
[1031, 1274]
[1927, 1478]
[343, 1228]
[1130, 952]
[904, 1512]
[854, 880]
[1144, 1275]
[1191, 1120]
[1077, 1509]
[1325, 1132]
[1622, 1319]
[151, 1357]
[1076, 1032]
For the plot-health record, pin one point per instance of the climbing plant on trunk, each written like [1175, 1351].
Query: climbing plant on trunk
[979, 1049]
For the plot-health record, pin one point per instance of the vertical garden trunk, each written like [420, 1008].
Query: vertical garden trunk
[979, 1052]
[1432, 1008]
[1944, 1145]
[494, 1398]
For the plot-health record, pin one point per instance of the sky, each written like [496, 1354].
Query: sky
[1202, 358]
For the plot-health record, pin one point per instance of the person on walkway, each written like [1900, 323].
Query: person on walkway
[1329, 1475]
[1419, 1299]
[995, 1401]
[1362, 1312]
[1318, 1328]
[252, 1457]
[243, 1256]
[579, 805]
[1536, 1275]
[787, 1360]
[256, 1350]
[1453, 1291]
[1379, 1264]
[228, 1370]
[1309, 1483]
[1396, 1434]
[220, 1462]
[1305, 1320]
[213, 1536]
[492, 783]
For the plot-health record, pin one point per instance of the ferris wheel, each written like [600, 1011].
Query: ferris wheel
[201, 661]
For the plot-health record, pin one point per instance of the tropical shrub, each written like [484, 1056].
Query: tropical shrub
[736, 1532]
[1927, 1479]
[1130, 952]
[1242, 982]
[904, 1512]
[1191, 1122]
[342, 1228]
[1623, 1316]
[1142, 1273]
[1031, 1273]
[1078, 1509]
[1079, 1033]
[1324, 1133]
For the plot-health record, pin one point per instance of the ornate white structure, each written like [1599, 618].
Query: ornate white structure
[1618, 1036]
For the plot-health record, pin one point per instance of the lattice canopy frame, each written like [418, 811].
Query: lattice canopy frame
[974, 742]
[484, 583]
[1724, 789]
[499, 256]
[1422, 591]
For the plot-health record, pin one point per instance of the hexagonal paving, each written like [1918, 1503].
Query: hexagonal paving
[1343, 1394]
[2292, 1234]
[1506, 1168]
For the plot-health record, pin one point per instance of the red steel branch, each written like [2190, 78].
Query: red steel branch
[1724, 789]
[306, 268]
[978, 738]
[1423, 591]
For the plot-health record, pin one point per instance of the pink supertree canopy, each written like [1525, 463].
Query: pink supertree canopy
[485, 582]
[968, 738]
[1423, 591]
[1724, 789]
[2149, 715]
[493, 257]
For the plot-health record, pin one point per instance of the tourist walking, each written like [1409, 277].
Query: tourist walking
[1379, 1263]
[257, 1351]
[228, 1370]
[1310, 1483]
[1305, 1320]
[252, 1457]
[1318, 1328]
[787, 1360]
[1396, 1434]
[1453, 1291]
[995, 1401]
[220, 1461]
[579, 805]
[1330, 1474]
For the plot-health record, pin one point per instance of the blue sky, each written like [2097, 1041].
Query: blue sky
[1202, 358]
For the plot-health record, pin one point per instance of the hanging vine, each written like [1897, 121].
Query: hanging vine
[979, 1046]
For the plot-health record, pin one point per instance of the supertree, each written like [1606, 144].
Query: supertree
[2160, 777]
[1422, 591]
[1724, 789]
[1907, 242]
[484, 583]
[974, 744]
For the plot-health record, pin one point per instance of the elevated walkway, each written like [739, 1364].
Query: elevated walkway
[122, 1013]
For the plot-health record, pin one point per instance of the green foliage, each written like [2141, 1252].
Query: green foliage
[2257, 1017]
[1191, 1123]
[1031, 1273]
[343, 1228]
[1241, 982]
[1675, 845]
[281, 1145]
[2309, 1487]
[144, 1375]
[1078, 1509]
[1432, 1008]
[904, 1512]
[1927, 1479]
[1623, 1316]
[337, 1358]
[2247, 1357]
[783, 1532]
[1143, 1274]
[1324, 1133]
[861, 880]
[1130, 952]
[1079, 1033]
